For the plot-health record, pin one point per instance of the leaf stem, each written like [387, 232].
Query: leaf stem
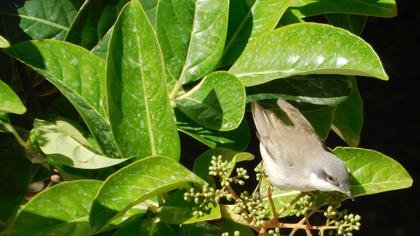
[12, 130]
[178, 86]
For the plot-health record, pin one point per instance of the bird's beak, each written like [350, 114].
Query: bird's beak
[346, 190]
[348, 193]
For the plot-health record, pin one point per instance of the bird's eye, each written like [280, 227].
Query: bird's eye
[330, 178]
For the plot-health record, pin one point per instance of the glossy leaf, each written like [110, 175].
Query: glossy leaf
[217, 102]
[306, 48]
[373, 172]
[4, 43]
[93, 24]
[314, 89]
[9, 100]
[192, 36]
[38, 19]
[348, 118]
[60, 210]
[141, 118]
[379, 8]
[232, 227]
[136, 183]
[202, 163]
[93, 21]
[145, 227]
[65, 145]
[289, 18]
[248, 20]
[200, 228]
[321, 120]
[80, 77]
[101, 49]
[15, 175]
[352, 23]
[237, 139]
[179, 211]
[150, 7]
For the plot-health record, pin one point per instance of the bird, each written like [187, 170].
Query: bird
[294, 157]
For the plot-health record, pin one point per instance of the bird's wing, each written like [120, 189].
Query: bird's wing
[282, 142]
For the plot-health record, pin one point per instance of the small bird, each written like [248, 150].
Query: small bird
[294, 156]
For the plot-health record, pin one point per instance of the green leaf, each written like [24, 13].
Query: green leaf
[321, 119]
[93, 24]
[80, 77]
[65, 145]
[4, 43]
[38, 19]
[348, 118]
[217, 102]
[373, 172]
[151, 8]
[15, 174]
[352, 23]
[314, 89]
[60, 210]
[93, 21]
[101, 49]
[136, 183]
[192, 36]
[145, 227]
[237, 139]
[202, 163]
[289, 18]
[179, 211]
[247, 21]
[306, 48]
[379, 8]
[141, 117]
[9, 101]
[200, 228]
[232, 227]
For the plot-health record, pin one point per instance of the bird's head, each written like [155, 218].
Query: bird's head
[329, 173]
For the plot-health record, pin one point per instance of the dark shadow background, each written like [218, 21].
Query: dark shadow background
[392, 120]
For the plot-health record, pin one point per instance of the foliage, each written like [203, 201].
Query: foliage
[96, 93]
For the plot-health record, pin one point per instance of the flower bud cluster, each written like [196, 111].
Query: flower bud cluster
[235, 233]
[274, 232]
[303, 206]
[241, 176]
[259, 172]
[222, 170]
[202, 200]
[251, 209]
[345, 223]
